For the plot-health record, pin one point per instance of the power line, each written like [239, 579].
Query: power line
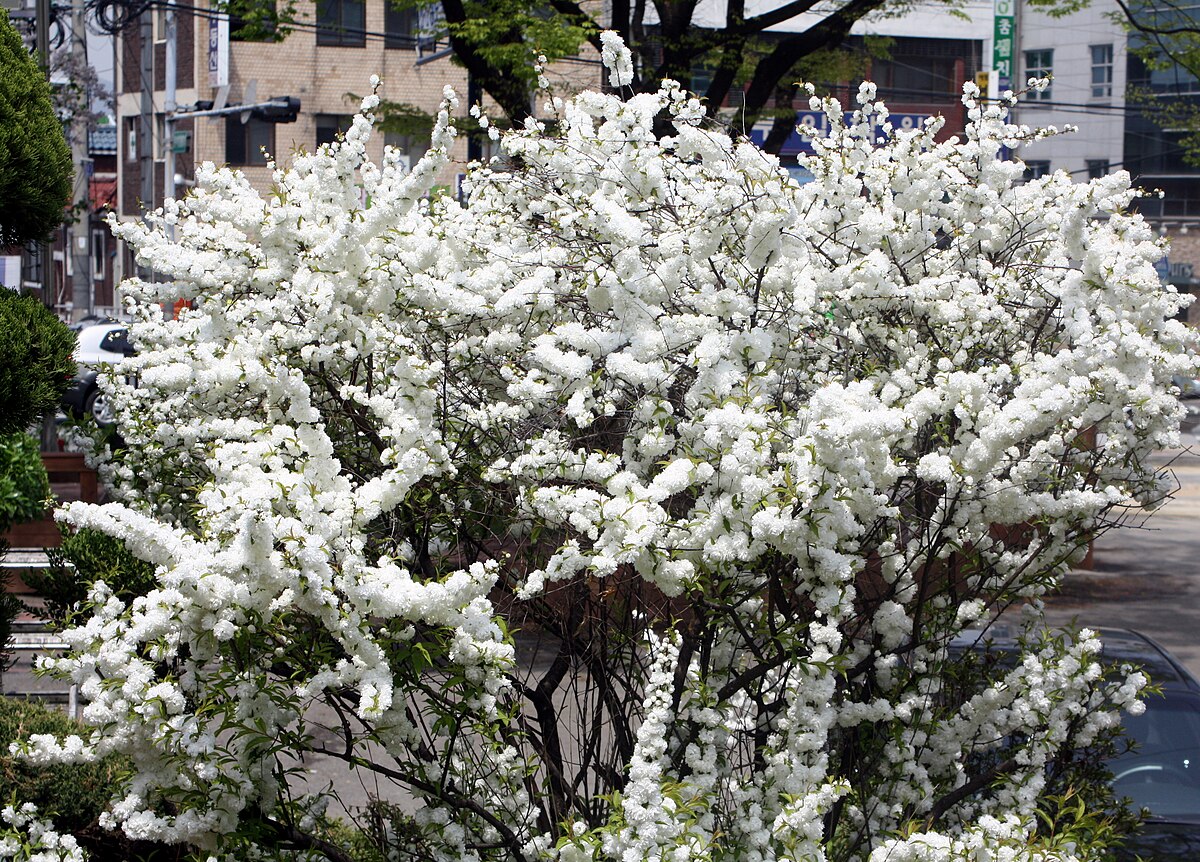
[114, 16]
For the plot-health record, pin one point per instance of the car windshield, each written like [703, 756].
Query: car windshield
[116, 341]
[1162, 770]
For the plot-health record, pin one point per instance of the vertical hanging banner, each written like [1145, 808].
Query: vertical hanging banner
[431, 27]
[218, 51]
[1003, 39]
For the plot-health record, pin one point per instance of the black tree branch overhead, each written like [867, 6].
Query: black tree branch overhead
[770, 74]
[496, 41]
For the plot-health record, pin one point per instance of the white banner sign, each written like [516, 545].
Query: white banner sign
[10, 271]
[218, 51]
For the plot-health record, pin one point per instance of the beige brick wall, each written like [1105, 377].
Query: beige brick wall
[1185, 251]
[322, 77]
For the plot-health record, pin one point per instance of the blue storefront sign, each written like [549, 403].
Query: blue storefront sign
[815, 124]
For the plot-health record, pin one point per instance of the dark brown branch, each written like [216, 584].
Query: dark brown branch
[828, 33]
[445, 794]
[291, 836]
[973, 786]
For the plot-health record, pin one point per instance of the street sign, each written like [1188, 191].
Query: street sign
[218, 51]
[1004, 35]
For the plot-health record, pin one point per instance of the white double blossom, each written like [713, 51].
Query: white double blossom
[814, 430]
[25, 837]
[617, 58]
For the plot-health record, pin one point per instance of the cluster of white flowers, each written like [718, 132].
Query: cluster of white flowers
[815, 430]
[617, 58]
[1002, 840]
[24, 837]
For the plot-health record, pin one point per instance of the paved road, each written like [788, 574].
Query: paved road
[1147, 574]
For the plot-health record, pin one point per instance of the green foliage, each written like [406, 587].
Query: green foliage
[1073, 818]
[37, 348]
[24, 485]
[508, 34]
[381, 833]
[255, 21]
[35, 162]
[1058, 8]
[72, 796]
[401, 118]
[84, 558]
[75, 794]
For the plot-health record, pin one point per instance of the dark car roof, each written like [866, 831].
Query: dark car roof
[1117, 646]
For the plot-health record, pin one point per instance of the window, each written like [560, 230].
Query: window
[341, 23]
[1102, 71]
[329, 126]
[116, 341]
[245, 142]
[1161, 78]
[1039, 64]
[431, 23]
[1036, 168]
[410, 147]
[913, 77]
[400, 26]
[159, 23]
[1097, 168]
[160, 137]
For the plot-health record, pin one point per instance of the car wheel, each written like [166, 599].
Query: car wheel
[98, 405]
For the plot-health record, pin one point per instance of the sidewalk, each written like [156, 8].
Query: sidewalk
[1147, 573]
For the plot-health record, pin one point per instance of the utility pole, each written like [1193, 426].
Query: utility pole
[146, 121]
[169, 110]
[45, 259]
[80, 245]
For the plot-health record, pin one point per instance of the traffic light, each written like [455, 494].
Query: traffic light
[279, 109]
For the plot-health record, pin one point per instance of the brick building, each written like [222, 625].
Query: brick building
[330, 55]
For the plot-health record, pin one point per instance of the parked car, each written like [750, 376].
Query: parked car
[1160, 773]
[90, 320]
[1189, 391]
[98, 345]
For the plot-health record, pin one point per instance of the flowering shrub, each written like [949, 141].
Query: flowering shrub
[746, 454]
[26, 838]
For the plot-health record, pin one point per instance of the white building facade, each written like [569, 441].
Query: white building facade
[1085, 56]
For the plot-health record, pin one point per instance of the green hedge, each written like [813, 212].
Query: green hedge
[72, 796]
[35, 161]
[37, 364]
[24, 485]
